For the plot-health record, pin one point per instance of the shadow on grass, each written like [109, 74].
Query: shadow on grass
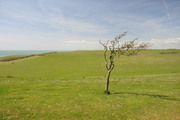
[150, 95]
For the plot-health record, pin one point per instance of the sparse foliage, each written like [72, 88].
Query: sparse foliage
[114, 49]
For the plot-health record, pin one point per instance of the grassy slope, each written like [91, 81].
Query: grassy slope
[69, 86]
[90, 64]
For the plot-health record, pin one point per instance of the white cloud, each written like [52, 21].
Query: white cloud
[47, 42]
[170, 43]
[51, 17]
[83, 45]
[74, 25]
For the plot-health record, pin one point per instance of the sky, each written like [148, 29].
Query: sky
[80, 24]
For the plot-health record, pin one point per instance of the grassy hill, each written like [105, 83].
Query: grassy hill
[70, 85]
[80, 64]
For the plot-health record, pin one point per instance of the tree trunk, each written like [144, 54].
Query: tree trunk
[107, 82]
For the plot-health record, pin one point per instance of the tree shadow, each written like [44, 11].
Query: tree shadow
[150, 95]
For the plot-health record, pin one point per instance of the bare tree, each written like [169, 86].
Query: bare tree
[114, 49]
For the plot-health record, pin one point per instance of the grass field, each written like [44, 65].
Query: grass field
[70, 85]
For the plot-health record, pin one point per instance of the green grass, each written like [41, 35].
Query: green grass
[18, 57]
[70, 85]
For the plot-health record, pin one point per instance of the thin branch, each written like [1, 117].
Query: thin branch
[114, 48]
[105, 53]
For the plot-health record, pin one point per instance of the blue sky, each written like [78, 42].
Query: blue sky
[79, 24]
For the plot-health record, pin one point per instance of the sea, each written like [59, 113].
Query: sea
[4, 53]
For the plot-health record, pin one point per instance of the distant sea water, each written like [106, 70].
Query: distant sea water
[4, 53]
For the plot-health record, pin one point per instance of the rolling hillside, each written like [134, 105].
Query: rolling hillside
[70, 85]
[91, 64]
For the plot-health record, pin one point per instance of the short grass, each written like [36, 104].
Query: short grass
[70, 85]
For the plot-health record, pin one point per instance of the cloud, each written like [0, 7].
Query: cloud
[167, 10]
[48, 42]
[170, 43]
[83, 45]
[74, 25]
[52, 17]
[56, 18]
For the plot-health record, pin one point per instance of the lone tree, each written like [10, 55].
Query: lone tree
[114, 49]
